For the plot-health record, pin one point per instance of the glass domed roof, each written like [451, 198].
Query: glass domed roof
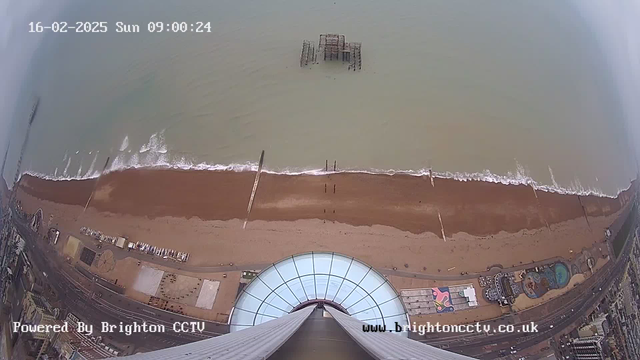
[341, 281]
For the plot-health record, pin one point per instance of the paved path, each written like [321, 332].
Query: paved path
[555, 316]
[114, 307]
[95, 304]
[120, 254]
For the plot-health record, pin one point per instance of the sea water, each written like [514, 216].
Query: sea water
[515, 92]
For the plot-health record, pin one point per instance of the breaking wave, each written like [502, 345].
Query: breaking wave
[156, 144]
[125, 143]
[154, 154]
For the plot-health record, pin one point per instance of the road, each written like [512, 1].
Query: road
[572, 307]
[111, 307]
[82, 300]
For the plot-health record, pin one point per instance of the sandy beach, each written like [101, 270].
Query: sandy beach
[407, 203]
[387, 221]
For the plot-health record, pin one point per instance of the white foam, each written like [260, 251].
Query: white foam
[125, 143]
[163, 161]
[66, 168]
[156, 144]
[154, 154]
[553, 178]
[80, 169]
[92, 166]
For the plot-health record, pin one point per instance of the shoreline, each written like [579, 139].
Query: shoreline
[202, 213]
[220, 242]
[519, 178]
[406, 202]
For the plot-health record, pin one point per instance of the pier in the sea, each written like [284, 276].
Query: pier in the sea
[332, 47]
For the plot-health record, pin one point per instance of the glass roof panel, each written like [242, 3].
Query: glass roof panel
[322, 282]
[357, 271]
[322, 262]
[296, 287]
[340, 265]
[372, 281]
[263, 319]
[309, 286]
[286, 269]
[391, 308]
[384, 293]
[271, 278]
[258, 289]
[334, 285]
[287, 294]
[242, 317]
[357, 295]
[346, 288]
[248, 303]
[304, 264]
[275, 300]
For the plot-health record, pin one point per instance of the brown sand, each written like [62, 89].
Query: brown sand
[387, 221]
[214, 242]
[408, 203]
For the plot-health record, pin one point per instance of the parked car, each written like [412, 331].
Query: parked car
[54, 235]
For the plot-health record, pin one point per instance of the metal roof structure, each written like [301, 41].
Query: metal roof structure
[257, 342]
[262, 341]
[385, 345]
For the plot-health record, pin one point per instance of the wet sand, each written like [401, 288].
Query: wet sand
[387, 221]
[404, 202]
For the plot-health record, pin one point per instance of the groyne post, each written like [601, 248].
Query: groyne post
[584, 211]
[444, 237]
[255, 189]
[95, 186]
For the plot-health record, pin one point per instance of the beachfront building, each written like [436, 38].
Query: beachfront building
[37, 311]
[73, 345]
[299, 305]
[439, 300]
[598, 326]
[501, 288]
[589, 348]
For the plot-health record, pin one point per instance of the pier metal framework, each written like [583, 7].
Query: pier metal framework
[332, 47]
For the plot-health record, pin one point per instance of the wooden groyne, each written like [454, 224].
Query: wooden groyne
[255, 189]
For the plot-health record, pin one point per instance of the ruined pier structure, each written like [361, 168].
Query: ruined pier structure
[332, 47]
